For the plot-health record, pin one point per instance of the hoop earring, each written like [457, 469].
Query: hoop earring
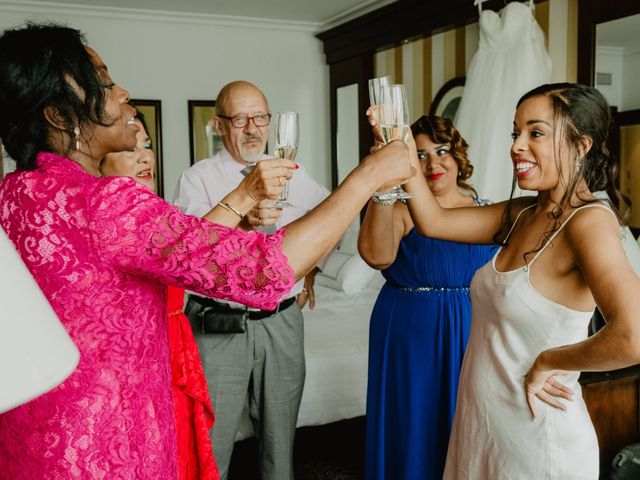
[76, 132]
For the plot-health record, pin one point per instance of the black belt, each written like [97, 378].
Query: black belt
[249, 314]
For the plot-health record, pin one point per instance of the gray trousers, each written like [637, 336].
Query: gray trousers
[265, 364]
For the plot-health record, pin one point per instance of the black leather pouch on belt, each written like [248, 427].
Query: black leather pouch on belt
[214, 321]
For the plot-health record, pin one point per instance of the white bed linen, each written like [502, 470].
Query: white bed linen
[336, 340]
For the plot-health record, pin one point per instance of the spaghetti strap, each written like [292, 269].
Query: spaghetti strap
[588, 205]
[516, 221]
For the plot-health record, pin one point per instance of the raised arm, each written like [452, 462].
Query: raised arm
[236, 208]
[143, 235]
[464, 224]
[380, 233]
[137, 232]
[314, 235]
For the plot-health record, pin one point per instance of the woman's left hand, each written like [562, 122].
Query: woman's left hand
[541, 382]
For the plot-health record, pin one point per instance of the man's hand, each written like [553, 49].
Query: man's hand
[307, 291]
[267, 178]
[263, 214]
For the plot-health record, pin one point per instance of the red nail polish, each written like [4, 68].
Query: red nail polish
[297, 166]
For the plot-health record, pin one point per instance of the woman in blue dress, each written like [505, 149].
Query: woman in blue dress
[421, 321]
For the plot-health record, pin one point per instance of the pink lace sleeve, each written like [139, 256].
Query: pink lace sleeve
[140, 233]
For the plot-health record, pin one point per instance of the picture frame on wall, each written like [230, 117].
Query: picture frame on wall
[152, 111]
[7, 164]
[204, 140]
[447, 100]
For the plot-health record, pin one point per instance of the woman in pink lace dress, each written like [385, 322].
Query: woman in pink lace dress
[102, 249]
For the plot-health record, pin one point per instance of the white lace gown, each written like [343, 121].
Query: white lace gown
[494, 436]
[510, 61]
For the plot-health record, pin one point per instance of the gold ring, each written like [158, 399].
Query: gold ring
[305, 291]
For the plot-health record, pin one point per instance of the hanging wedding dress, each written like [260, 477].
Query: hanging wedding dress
[510, 61]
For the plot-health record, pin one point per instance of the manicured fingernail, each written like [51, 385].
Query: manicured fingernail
[297, 166]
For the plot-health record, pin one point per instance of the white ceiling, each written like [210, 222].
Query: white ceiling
[623, 33]
[319, 12]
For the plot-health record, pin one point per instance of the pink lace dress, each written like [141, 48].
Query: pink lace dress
[101, 250]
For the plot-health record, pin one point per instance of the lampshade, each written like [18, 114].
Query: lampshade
[36, 353]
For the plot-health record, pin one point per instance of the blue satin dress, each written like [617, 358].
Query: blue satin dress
[418, 333]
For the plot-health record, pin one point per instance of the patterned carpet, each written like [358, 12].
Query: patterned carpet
[327, 452]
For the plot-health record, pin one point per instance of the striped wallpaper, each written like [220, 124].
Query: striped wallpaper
[425, 65]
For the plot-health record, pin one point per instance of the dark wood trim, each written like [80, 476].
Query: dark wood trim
[398, 23]
[628, 117]
[592, 377]
[590, 14]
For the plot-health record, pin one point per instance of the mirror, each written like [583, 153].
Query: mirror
[617, 62]
[616, 70]
[347, 135]
[347, 138]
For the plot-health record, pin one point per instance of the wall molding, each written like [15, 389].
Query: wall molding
[612, 51]
[354, 12]
[41, 9]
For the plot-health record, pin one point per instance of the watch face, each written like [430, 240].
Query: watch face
[447, 100]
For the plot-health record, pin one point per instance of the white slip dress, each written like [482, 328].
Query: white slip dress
[494, 436]
[511, 60]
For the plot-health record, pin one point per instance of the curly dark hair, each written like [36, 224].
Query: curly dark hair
[37, 63]
[578, 111]
[441, 130]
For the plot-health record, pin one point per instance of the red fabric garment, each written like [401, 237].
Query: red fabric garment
[193, 411]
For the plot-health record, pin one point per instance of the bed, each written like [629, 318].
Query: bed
[336, 340]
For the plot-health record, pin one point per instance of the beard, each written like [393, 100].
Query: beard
[251, 154]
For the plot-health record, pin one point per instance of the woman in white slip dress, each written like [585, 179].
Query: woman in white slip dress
[520, 412]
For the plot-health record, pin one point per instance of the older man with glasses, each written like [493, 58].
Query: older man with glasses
[248, 354]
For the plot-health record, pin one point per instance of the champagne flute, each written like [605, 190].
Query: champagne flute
[286, 146]
[393, 118]
[375, 85]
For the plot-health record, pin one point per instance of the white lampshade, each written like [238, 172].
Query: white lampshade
[36, 353]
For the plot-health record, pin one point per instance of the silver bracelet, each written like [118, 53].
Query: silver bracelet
[384, 202]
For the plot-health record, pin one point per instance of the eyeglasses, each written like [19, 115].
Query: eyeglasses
[240, 121]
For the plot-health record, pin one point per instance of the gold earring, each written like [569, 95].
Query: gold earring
[76, 132]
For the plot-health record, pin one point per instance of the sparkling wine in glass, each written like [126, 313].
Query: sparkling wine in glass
[393, 118]
[286, 146]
